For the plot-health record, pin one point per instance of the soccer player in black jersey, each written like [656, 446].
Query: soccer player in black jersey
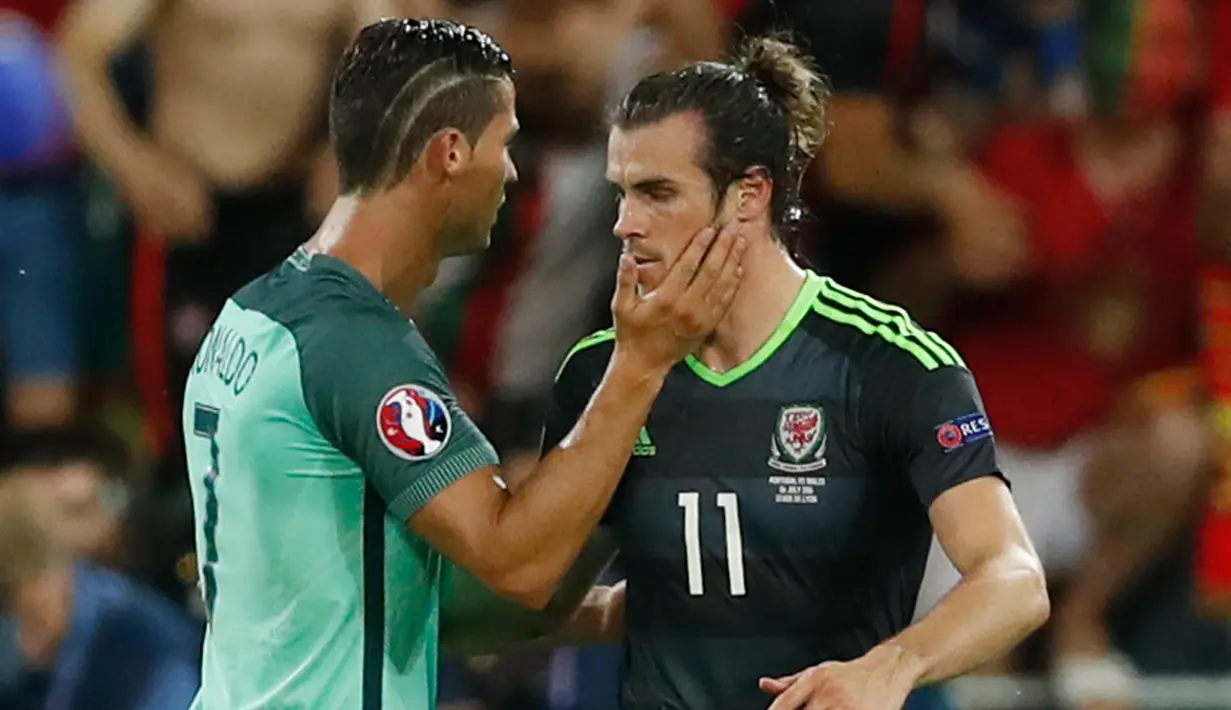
[776, 515]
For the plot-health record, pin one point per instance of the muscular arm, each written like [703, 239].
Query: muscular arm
[91, 33]
[474, 619]
[933, 421]
[1001, 598]
[521, 545]
[942, 432]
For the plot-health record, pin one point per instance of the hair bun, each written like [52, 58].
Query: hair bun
[791, 81]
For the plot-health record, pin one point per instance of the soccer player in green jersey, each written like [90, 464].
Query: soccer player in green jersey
[334, 477]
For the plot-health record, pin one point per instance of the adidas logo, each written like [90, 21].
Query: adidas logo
[644, 447]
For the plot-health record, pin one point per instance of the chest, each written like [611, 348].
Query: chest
[770, 465]
[271, 19]
[1116, 220]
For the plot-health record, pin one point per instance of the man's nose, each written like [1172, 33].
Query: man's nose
[628, 224]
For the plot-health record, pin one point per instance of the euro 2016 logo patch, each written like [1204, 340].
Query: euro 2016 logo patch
[413, 422]
[798, 444]
[956, 433]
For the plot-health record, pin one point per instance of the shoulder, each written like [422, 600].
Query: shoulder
[332, 316]
[878, 338]
[587, 359]
[139, 616]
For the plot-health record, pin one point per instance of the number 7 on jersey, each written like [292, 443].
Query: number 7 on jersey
[205, 424]
[690, 501]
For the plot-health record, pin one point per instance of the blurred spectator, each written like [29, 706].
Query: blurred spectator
[1215, 232]
[80, 473]
[234, 169]
[1085, 340]
[1216, 205]
[41, 225]
[75, 636]
[876, 188]
[1214, 542]
[567, 50]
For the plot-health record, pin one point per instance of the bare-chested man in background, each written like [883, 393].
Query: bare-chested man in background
[232, 169]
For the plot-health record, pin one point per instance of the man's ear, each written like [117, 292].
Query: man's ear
[753, 194]
[447, 153]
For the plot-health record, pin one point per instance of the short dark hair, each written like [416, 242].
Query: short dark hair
[765, 107]
[53, 447]
[400, 82]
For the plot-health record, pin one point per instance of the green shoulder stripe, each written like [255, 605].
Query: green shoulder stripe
[589, 341]
[893, 323]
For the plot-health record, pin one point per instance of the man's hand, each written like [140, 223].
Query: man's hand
[880, 680]
[987, 235]
[168, 197]
[658, 329]
[600, 616]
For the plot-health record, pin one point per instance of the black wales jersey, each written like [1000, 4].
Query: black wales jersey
[775, 516]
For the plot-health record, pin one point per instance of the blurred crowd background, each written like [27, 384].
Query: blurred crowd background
[1046, 183]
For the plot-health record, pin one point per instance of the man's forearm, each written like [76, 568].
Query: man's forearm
[864, 162]
[547, 522]
[101, 120]
[476, 620]
[984, 617]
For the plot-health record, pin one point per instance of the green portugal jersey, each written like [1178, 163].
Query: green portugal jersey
[317, 422]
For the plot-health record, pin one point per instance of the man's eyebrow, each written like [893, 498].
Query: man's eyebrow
[653, 183]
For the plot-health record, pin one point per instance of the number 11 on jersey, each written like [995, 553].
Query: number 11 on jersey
[690, 501]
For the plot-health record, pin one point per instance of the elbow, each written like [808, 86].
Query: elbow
[1035, 601]
[524, 588]
[524, 583]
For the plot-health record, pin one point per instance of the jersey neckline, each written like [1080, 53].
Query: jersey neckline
[794, 315]
[303, 260]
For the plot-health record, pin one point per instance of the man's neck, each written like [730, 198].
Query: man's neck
[769, 286]
[399, 265]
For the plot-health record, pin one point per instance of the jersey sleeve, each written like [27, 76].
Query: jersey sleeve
[942, 434]
[379, 395]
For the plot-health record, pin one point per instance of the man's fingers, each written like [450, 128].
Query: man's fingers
[626, 285]
[722, 293]
[685, 268]
[777, 685]
[712, 265]
[792, 698]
